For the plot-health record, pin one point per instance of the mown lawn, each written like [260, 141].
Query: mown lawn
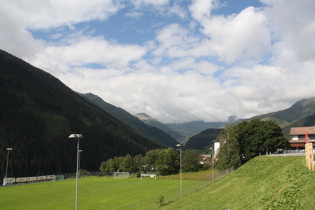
[94, 193]
[262, 183]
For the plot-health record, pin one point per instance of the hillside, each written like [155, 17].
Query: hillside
[192, 128]
[148, 131]
[155, 123]
[203, 140]
[37, 114]
[298, 111]
[265, 182]
[307, 121]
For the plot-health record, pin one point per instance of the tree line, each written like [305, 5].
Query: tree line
[162, 161]
[246, 140]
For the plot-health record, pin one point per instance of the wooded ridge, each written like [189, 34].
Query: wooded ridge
[37, 114]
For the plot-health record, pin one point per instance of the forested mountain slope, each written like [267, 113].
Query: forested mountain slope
[37, 114]
[155, 123]
[148, 131]
[189, 129]
[203, 140]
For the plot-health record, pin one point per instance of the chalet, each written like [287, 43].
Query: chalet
[300, 136]
[205, 159]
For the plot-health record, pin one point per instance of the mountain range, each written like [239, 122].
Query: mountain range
[176, 134]
[150, 132]
[301, 113]
[38, 113]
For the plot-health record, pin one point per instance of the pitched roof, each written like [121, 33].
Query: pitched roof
[301, 130]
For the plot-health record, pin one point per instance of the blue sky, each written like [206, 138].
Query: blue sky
[175, 60]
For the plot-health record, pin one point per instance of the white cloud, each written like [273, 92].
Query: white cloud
[177, 10]
[88, 50]
[200, 9]
[175, 41]
[17, 17]
[39, 14]
[200, 66]
[240, 37]
[294, 25]
[166, 96]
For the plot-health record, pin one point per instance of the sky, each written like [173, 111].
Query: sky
[175, 60]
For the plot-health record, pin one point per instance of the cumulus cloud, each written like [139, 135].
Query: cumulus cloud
[197, 65]
[295, 26]
[200, 9]
[78, 56]
[17, 17]
[39, 14]
[240, 37]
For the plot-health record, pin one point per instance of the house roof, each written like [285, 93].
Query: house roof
[301, 130]
[206, 156]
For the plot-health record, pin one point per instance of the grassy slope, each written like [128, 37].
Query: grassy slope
[263, 183]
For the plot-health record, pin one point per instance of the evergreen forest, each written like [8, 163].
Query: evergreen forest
[38, 113]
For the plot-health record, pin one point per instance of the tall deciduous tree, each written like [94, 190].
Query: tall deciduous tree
[191, 160]
[246, 140]
[229, 152]
[151, 158]
[138, 162]
[167, 162]
[127, 163]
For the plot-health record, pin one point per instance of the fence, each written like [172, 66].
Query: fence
[166, 197]
[24, 180]
[309, 156]
[294, 151]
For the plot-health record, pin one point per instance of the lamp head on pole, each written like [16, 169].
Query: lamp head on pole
[75, 136]
[178, 145]
[9, 149]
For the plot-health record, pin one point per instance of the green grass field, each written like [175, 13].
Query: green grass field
[94, 193]
[262, 183]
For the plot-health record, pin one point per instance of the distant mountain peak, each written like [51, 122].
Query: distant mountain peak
[144, 116]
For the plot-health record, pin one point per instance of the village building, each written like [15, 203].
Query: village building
[300, 136]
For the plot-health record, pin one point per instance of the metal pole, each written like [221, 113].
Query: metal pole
[212, 168]
[180, 170]
[77, 177]
[78, 137]
[6, 169]
[7, 165]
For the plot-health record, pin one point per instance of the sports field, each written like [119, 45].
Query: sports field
[94, 193]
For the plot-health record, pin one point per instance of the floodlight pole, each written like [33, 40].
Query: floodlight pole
[212, 162]
[7, 165]
[180, 169]
[77, 136]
